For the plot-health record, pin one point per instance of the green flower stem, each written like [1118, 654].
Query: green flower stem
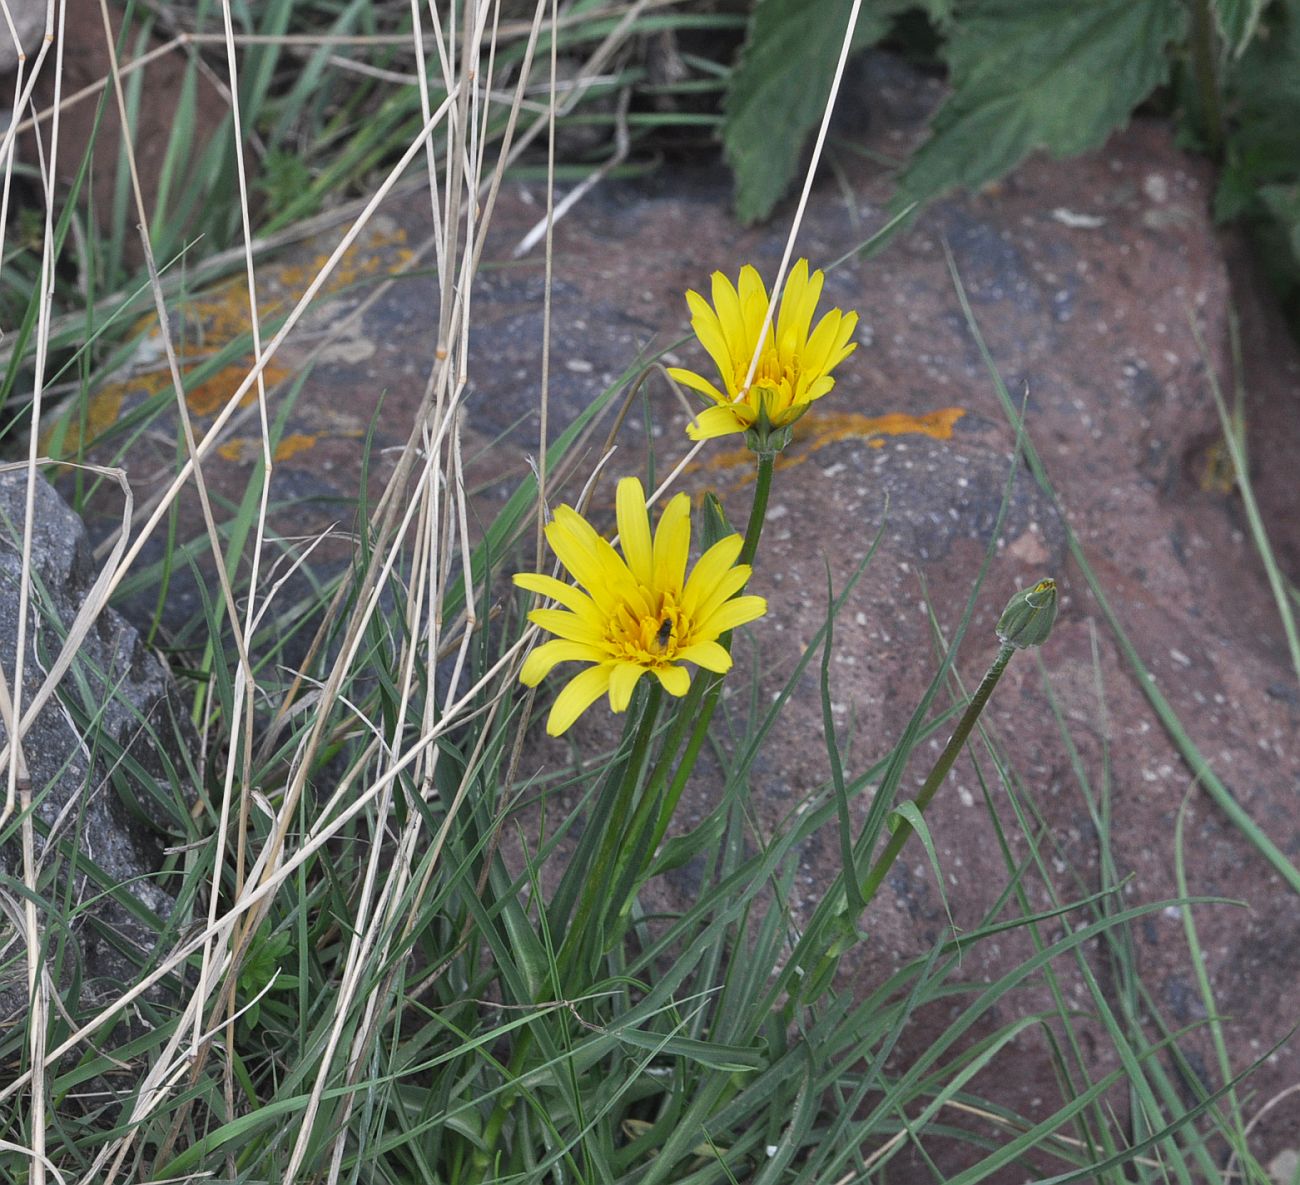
[940, 770]
[758, 510]
[1204, 51]
[619, 845]
[706, 687]
[576, 939]
[604, 870]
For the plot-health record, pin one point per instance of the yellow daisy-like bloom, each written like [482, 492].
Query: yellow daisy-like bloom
[635, 613]
[794, 367]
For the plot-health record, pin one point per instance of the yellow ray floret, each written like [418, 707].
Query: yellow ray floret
[794, 365]
[637, 612]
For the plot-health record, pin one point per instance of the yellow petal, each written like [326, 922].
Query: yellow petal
[676, 680]
[712, 566]
[688, 378]
[720, 421]
[593, 562]
[798, 303]
[753, 308]
[564, 624]
[634, 530]
[727, 586]
[573, 540]
[708, 655]
[727, 303]
[578, 695]
[753, 295]
[672, 546]
[844, 345]
[817, 388]
[556, 590]
[736, 612]
[704, 321]
[622, 681]
[540, 661]
[817, 353]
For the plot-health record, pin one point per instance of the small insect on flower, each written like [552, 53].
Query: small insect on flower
[794, 365]
[635, 613]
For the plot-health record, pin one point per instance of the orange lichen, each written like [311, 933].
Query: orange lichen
[1218, 472]
[832, 426]
[818, 429]
[100, 414]
[210, 322]
[244, 450]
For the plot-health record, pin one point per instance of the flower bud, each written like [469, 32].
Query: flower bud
[1028, 617]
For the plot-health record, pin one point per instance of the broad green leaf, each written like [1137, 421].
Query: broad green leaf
[1264, 100]
[1029, 74]
[1283, 202]
[778, 91]
[1237, 21]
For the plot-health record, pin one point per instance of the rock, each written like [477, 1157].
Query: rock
[1083, 276]
[24, 39]
[98, 756]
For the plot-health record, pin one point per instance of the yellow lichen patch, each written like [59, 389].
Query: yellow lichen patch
[1218, 474]
[833, 426]
[816, 430]
[101, 412]
[293, 444]
[358, 263]
[244, 450]
[209, 322]
[210, 397]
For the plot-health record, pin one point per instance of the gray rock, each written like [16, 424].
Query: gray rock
[28, 24]
[98, 756]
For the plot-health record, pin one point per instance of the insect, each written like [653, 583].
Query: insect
[665, 632]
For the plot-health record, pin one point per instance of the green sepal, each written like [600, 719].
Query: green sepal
[1029, 616]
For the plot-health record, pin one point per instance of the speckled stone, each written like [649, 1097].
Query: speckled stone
[97, 755]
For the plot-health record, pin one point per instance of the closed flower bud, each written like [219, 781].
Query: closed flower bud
[1029, 616]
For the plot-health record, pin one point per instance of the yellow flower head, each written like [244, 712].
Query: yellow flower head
[796, 361]
[636, 612]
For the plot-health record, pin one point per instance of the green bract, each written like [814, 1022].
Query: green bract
[1029, 616]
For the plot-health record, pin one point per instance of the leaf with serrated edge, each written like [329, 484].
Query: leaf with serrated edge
[1237, 21]
[1030, 74]
[778, 91]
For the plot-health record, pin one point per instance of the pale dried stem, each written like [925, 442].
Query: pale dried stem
[244, 673]
[422, 514]
[328, 825]
[37, 983]
[804, 194]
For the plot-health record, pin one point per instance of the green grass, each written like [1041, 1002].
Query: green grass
[402, 953]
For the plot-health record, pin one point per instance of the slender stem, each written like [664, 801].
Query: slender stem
[617, 837]
[710, 685]
[594, 899]
[758, 510]
[940, 770]
[1207, 83]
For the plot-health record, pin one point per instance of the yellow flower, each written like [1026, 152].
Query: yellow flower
[636, 612]
[794, 367]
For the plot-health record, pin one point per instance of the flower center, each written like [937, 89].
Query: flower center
[650, 641]
[774, 383]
